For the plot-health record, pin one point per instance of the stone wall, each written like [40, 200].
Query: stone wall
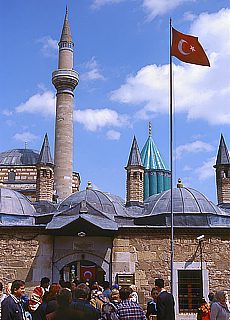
[223, 183]
[45, 183]
[146, 254]
[135, 184]
[25, 255]
[19, 178]
[25, 181]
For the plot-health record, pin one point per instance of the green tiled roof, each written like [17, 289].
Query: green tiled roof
[150, 155]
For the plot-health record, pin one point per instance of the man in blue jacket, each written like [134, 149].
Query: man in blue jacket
[12, 308]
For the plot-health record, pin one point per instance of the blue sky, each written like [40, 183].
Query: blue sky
[122, 56]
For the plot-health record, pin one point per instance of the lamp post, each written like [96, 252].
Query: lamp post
[200, 239]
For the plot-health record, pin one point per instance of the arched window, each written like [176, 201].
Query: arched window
[225, 173]
[11, 176]
[134, 175]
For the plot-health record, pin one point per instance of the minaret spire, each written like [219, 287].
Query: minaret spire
[222, 155]
[135, 177]
[66, 33]
[45, 178]
[222, 167]
[65, 79]
[45, 154]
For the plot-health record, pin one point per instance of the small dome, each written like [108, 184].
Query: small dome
[15, 203]
[185, 200]
[18, 157]
[102, 201]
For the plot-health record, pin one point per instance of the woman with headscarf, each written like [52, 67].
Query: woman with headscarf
[219, 308]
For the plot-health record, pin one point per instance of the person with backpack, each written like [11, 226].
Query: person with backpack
[109, 309]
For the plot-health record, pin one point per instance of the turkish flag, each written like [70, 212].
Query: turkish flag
[88, 272]
[188, 49]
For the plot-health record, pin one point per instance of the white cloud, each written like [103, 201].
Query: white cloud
[7, 112]
[94, 119]
[193, 147]
[113, 135]
[200, 92]
[189, 16]
[99, 3]
[93, 72]
[25, 136]
[43, 103]
[160, 7]
[49, 46]
[206, 170]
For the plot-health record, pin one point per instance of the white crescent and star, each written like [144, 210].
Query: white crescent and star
[180, 47]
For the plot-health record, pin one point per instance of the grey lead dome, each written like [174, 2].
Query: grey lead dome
[15, 203]
[102, 201]
[18, 157]
[185, 200]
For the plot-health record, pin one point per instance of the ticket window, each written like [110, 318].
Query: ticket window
[125, 280]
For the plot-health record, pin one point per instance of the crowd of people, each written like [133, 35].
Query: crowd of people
[84, 301]
[216, 309]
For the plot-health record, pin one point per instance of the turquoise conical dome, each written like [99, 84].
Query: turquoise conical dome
[157, 176]
[150, 156]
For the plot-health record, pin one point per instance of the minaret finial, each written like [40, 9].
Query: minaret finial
[150, 128]
[66, 34]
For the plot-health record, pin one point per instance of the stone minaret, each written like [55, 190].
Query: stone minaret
[45, 173]
[65, 79]
[222, 167]
[135, 177]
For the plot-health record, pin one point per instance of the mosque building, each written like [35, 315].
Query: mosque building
[51, 228]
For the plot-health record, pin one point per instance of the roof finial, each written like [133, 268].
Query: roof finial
[89, 186]
[180, 184]
[25, 144]
[150, 128]
[66, 11]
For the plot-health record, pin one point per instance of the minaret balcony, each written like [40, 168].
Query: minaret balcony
[64, 79]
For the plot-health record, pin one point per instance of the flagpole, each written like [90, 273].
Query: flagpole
[171, 159]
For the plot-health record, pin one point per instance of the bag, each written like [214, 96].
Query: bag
[109, 311]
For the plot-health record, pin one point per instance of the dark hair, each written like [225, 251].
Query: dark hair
[82, 291]
[67, 285]
[44, 281]
[211, 296]
[64, 298]
[16, 284]
[159, 283]
[106, 285]
[153, 290]
[1, 286]
[125, 293]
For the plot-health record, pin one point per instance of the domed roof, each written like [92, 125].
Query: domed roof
[102, 201]
[15, 203]
[18, 157]
[185, 200]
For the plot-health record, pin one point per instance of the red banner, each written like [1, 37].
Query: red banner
[88, 272]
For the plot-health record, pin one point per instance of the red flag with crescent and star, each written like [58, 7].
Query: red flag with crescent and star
[188, 49]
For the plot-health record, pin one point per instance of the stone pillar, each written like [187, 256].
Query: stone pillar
[44, 183]
[223, 183]
[135, 185]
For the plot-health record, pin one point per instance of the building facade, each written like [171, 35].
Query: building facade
[94, 235]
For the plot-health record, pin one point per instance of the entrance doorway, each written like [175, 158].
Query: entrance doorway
[83, 271]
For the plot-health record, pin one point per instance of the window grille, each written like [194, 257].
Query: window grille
[189, 289]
